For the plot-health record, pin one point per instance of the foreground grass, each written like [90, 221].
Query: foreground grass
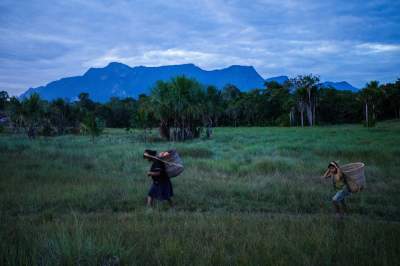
[249, 196]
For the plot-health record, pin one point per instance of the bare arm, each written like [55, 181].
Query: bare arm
[153, 173]
[326, 175]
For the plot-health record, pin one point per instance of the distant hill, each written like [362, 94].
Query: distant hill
[278, 79]
[343, 86]
[120, 80]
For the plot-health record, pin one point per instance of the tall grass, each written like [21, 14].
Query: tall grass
[249, 196]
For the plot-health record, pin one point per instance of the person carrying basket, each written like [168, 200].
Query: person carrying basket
[341, 187]
[165, 166]
[347, 180]
[161, 188]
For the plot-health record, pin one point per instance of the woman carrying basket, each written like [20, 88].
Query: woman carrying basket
[341, 187]
[161, 189]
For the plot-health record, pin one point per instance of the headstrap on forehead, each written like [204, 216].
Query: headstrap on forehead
[334, 164]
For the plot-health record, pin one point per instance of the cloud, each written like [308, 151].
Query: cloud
[340, 40]
[169, 56]
[314, 48]
[151, 57]
[378, 48]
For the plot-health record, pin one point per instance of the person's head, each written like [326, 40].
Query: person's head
[333, 167]
[148, 153]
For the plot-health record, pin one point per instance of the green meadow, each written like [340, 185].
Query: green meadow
[248, 196]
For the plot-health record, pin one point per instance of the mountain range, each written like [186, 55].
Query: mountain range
[342, 85]
[120, 80]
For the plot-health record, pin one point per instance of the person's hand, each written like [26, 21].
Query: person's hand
[326, 174]
[164, 154]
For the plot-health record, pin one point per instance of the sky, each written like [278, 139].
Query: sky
[356, 41]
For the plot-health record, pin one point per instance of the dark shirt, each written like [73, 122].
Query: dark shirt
[159, 166]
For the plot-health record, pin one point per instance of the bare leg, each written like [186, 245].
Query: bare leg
[343, 209]
[338, 211]
[149, 201]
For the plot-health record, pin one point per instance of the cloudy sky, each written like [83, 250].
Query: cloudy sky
[356, 41]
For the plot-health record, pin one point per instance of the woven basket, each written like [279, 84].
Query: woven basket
[355, 176]
[173, 164]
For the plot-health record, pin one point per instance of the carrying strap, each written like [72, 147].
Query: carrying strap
[161, 160]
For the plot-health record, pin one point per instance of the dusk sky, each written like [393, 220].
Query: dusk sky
[356, 41]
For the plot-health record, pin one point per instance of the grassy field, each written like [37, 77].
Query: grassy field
[249, 196]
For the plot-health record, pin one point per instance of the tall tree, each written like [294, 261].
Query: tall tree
[391, 93]
[3, 100]
[212, 109]
[85, 104]
[14, 111]
[306, 87]
[279, 103]
[119, 112]
[144, 117]
[59, 114]
[338, 106]
[231, 97]
[370, 96]
[32, 111]
[178, 106]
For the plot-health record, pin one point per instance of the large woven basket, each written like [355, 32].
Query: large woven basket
[173, 164]
[355, 176]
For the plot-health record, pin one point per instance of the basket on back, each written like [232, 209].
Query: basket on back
[173, 164]
[355, 176]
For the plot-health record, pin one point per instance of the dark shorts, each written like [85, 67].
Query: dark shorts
[341, 195]
[161, 190]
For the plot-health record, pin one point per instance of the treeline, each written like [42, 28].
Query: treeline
[183, 108]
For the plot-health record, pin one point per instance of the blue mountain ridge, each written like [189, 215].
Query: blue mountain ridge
[278, 79]
[120, 80]
[342, 85]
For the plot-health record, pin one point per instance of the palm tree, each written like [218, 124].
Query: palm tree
[306, 91]
[370, 96]
[212, 109]
[179, 105]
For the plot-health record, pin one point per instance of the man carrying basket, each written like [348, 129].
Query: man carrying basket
[347, 179]
[340, 186]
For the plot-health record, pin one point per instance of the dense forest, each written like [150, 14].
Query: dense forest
[182, 108]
